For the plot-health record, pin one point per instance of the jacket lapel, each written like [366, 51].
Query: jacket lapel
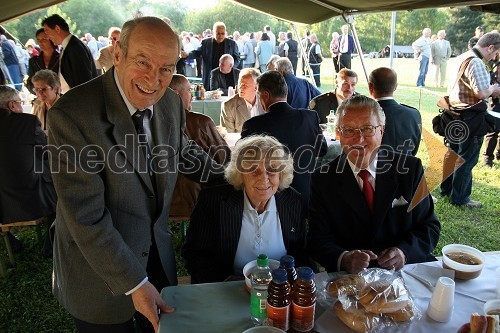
[231, 213]
[385, 187]
[123, 128]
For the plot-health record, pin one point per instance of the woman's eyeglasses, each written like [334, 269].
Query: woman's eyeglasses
[41, 90]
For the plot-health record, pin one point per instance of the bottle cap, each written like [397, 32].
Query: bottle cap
[287, 261]
[305, 273]
[279, 275]
[262, 260]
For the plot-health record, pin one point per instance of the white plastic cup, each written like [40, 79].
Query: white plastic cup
[230, 92]
[442, 300]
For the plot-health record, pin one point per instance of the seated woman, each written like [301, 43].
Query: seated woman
[257, 213]
[47, 88]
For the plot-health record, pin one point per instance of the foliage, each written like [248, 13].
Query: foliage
[461, 27]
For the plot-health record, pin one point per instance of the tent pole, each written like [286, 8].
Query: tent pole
[350, 20]
[393, 36]
[303, 55]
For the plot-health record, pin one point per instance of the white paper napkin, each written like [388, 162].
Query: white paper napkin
[428, 273]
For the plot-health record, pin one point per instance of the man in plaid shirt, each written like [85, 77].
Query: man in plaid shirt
[473, 87]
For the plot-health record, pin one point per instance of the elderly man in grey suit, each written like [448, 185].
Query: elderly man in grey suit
[244, 105]
[440, 53]
[113, 248]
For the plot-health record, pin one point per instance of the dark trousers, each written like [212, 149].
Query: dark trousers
[294, 61]
[336, 64]
[459, 184]
[492, 143]
[316, 68]
[345, 61]
[157, 277]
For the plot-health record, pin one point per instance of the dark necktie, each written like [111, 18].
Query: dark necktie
[368, 191]
[138, 119]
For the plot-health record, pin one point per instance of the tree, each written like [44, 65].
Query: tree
[462, 24]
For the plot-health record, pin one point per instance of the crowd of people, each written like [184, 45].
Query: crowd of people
[119, 143]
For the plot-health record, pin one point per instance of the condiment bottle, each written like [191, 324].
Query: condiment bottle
[278, 300]
[202, 92]
[304, 301]
[260, 279]
[287, 262]
[197, 92]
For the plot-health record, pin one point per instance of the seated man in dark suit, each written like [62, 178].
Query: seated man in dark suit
[225, 75]
[359, 213]
[402, 123]
[26, 189]
[201, 129]
[300, 91]
[298, 129]
[345, 84]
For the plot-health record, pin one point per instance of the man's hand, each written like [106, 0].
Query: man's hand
[148, 301]
[391, 258]
[184, 54]
[357, 260]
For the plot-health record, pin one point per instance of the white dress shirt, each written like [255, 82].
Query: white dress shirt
[260, 233]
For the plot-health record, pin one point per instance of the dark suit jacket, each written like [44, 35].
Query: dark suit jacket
[77, 63]
[402, 123]
[350, 43]
[218, 80]
[36, 64]
[299, 130]
[201, 129]
[25, 194]
[300, 92]
[215, 226]
[205, 51]
[108, 211]
[324, 103]
[339, 219]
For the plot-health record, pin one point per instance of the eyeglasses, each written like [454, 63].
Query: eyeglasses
[365, 131]
[144, 65]
[19, 102]
[41, 90]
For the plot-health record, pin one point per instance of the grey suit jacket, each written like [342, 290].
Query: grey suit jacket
[440, 54]
[234, 113]
[107, 208]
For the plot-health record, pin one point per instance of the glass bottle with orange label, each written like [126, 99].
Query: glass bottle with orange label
[287, 262]
[278, 300]
[304, 301]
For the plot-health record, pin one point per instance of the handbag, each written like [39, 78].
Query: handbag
[465, 121]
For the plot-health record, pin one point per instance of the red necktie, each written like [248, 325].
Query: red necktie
[368, 191]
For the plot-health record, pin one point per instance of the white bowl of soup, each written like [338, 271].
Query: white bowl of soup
[492, 307]
[466, 261]
[251, 266]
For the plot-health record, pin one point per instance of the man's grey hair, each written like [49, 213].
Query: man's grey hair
[227, 57]
[249, 71]
[359, 102]
[7, 94]
[284, 66]
[273, 59]
[254, 149]
[274, 83]
[218, 25]
[490, 38]
[129, 26]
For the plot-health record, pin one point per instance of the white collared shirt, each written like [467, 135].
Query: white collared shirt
[132, 110]
[64, 85]
[253, 109]
[260, 233]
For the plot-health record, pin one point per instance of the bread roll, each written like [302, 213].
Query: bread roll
[383, 297]
[404, 314]
[358, 319]
[484, 324]
[352, 283]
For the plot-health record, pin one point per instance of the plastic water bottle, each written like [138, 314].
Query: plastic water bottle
[260, 279]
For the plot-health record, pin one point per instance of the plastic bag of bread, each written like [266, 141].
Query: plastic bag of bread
[481, 324]
[380, 300]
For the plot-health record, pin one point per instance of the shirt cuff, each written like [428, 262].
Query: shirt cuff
[340, 261]
[138, 286]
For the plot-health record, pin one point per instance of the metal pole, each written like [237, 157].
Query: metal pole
[303, 55]
[349, 19]
[393, 36]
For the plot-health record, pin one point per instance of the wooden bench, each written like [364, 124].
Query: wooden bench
[5, 228]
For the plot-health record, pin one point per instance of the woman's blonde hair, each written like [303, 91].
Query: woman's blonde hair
[255, 149]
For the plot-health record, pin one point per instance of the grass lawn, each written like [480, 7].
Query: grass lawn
[27, 304]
